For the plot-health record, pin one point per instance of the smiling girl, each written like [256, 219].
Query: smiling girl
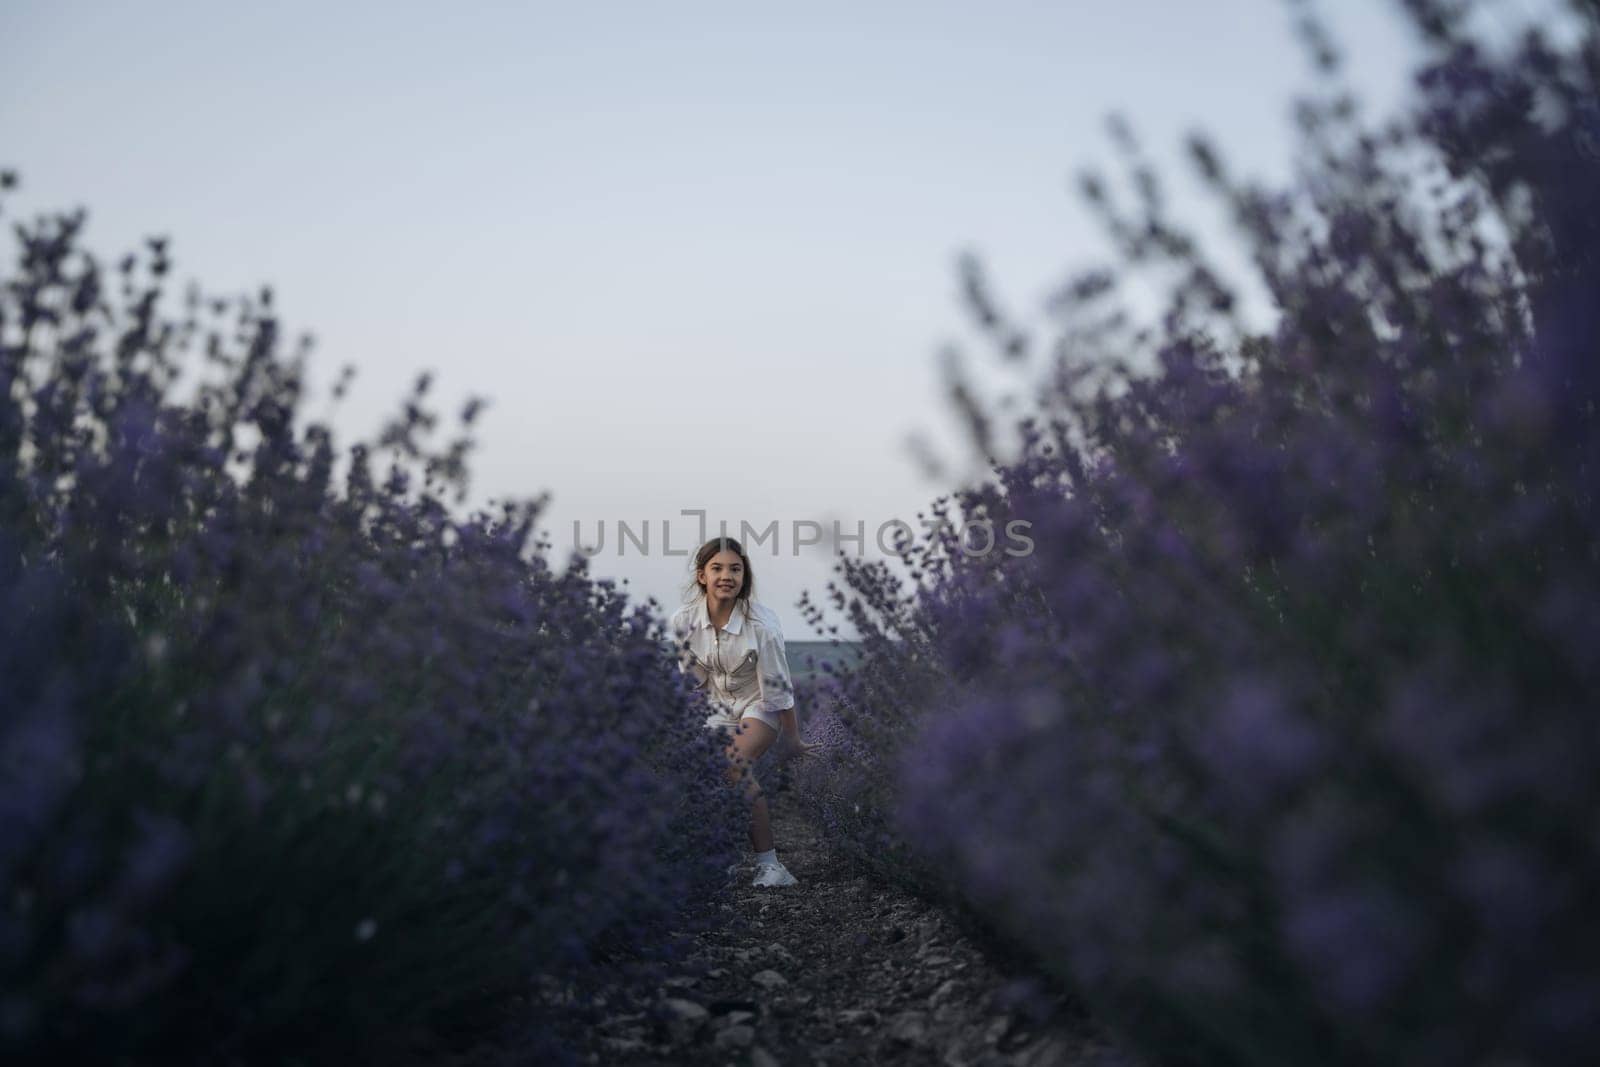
[733, 646]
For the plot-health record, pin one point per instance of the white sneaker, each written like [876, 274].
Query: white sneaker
[774, 873]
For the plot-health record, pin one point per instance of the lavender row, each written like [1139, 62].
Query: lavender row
[295, 764]
[1281, 747]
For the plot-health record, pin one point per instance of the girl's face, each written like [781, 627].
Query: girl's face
[723, 575]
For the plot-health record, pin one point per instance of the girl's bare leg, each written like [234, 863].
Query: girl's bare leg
[752, 738]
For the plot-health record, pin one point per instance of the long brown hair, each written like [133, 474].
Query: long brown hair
[747, 588]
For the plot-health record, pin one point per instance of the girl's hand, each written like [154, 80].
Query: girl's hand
[790, 746]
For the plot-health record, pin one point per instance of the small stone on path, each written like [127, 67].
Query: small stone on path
[769, 979]
[735, 1037]
[910, 1027]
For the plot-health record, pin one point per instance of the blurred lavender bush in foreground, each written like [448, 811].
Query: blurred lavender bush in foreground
[289, 768]
[1281, 747]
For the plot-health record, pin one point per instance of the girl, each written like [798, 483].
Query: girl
[734, 648]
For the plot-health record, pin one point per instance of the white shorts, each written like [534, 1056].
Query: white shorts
[722, 719]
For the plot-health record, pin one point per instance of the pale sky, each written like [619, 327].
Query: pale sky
[698, 255]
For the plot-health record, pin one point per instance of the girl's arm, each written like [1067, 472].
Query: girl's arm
[789, 735]
[777, 689]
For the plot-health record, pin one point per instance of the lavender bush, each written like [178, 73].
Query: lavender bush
[293, 765]
[1281, 746]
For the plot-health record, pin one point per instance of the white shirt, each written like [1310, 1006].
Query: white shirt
[740, 666]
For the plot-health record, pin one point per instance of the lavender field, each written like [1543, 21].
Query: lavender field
[1281, 747]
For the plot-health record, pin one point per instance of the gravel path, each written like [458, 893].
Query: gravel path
[842, 969]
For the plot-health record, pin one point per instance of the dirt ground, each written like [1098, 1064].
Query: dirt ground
[842, 969]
